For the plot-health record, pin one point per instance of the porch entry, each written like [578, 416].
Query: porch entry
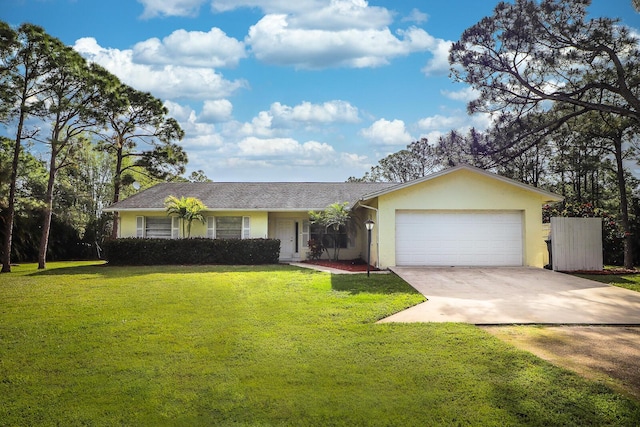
[293, 235]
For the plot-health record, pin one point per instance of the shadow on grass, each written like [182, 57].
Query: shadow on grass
[105, 270]
[375, 284]
[604, 278]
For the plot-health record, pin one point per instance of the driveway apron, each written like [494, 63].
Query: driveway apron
[515, 295]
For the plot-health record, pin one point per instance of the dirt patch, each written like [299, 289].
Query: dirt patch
[603, 353]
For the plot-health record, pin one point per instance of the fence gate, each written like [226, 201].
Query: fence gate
[576, 244]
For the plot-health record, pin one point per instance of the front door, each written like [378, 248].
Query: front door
[286, 232]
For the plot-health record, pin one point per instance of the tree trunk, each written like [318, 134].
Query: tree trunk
[48, 210]
[116, 189]
[624, 205]
[11, 209]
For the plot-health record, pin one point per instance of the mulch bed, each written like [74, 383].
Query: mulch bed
[356, 265]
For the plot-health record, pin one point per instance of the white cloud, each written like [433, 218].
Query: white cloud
[467, 94]
[439, 122]
[168, 81]
[310, 34]
[269, 6]
[260, 125]
[416, 16]
[191, 48]
[342, 14]
[308, 113]
[182, 113]
[439, 64]
[215, 111]
[153, 8]
[290, 153]
[273, 41]
[257, 147]
[385, 132]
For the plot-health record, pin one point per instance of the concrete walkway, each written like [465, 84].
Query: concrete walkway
[516, 295]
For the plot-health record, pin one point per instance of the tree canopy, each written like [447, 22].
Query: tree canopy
[538, 65]
[52, 99]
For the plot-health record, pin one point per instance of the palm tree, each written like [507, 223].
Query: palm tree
[187, 209]
[334, 216]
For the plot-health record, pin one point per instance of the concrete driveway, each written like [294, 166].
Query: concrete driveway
[520, 295]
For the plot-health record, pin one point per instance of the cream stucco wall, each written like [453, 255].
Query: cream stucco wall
[259, 222]
[463, 190]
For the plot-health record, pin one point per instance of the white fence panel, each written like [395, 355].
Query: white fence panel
[576, 244]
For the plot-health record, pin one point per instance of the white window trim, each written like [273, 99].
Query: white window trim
[306, 233]
[245, 231]
[140, 222]
[211, 227]
[175, 227]
[246, 227]
[141, 227]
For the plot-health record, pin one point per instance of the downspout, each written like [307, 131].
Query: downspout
[377, 233]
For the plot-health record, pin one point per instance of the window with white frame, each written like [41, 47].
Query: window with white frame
[228, 227]
[157, 227]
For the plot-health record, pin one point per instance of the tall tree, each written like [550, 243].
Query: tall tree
[530, 52]
[618, 134]
[8, 44]
[73, 93]
[419, 159]
[455, 148]
[533, 55]
[25, 65]
[140, 136]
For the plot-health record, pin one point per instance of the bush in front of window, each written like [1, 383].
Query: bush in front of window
[135, 251]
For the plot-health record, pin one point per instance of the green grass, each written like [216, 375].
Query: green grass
[262, 346]
[628, 281]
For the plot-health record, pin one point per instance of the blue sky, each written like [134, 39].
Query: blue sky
[284, 90]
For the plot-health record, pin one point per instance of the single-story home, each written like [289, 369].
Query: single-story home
[461, 216]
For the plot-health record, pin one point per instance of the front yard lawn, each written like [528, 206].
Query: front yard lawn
[262, 346]
[628, 281]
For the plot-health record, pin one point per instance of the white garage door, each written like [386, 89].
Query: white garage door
[459, 238]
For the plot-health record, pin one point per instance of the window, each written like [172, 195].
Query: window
[157, 227]
[326, 236]
[228, 227]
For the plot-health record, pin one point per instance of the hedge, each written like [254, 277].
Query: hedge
[136, 251]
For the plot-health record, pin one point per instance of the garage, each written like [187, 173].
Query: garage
[459, 238]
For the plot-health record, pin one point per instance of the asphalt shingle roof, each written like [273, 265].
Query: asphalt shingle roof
[272, 196]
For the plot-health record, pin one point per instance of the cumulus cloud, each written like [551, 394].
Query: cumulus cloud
[467, 94]
[290, 153]
[252, 147]
[342, 14]
[273, 41]
[385, 132]
[308, 34]
[438, 124]
[260, 125]
[215, 111]
[439, 63]
[182, 113]
[191, 48]
[441, 122]
[308, 113]
[167, 81]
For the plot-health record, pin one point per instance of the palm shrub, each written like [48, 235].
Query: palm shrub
[188, 209]
[334, 216]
